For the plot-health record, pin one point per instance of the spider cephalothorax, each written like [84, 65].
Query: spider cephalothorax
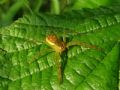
[55, 43]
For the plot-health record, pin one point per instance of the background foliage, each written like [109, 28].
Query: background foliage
[10, 10]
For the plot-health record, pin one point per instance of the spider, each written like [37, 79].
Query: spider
[59, 46]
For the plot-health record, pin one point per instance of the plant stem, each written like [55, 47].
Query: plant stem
[55, 7]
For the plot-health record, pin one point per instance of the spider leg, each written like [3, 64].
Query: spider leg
[74, 43]
[64, 37]
[59, 67]
[39, 54]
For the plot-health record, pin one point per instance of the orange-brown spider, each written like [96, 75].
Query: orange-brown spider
[59, 46]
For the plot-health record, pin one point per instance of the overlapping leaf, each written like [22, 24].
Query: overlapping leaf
[85, 69]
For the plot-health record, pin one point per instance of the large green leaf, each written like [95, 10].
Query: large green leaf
[85, 68]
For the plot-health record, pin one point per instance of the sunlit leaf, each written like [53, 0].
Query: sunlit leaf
[85, 68]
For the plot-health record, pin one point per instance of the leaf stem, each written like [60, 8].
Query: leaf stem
[55, 7]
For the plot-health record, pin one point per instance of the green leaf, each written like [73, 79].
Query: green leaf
[84, 67]
[103, 77]
[119, 78]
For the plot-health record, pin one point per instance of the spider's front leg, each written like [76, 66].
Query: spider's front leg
[39, 54]
[75, 43]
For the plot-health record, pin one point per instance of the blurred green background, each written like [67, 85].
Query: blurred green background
[11, 10]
